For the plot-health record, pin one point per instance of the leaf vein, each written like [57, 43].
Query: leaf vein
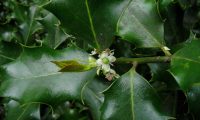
[187, 59]
[132, 94]
[91, 24]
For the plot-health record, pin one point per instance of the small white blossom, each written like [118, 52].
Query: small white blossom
[106, 58]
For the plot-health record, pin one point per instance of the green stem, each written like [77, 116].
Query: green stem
[156, 59]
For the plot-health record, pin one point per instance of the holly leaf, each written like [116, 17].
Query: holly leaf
[34, 78]
[19, 112]
[55, 34]
[25, 17]
[185, 65]
[174, 31]
[141, 24]
[93, 97]
[131, 97]
[9, 52]
[89, 20]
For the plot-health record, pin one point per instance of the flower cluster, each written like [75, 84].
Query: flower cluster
[104, 63]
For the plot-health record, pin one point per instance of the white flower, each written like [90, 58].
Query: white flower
[106, 58]
[102, 66]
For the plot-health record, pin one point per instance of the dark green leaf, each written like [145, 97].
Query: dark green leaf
[165, 85]
[193, 96]
[25, 17]
[67, 111]
[159, 73]
[186, 3]
[131, 98]
[92, 96]
[141, 24]
[7, 33]
[55, 34]
[185, 66]
[17, 112]
[31, 2]
[191, 17]
[33, 78]
[9, 51]
[89, 20]
[174, 30]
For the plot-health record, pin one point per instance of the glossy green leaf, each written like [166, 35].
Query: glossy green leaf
[9, 52]
[141, 24]
[34, 78]
[131, 97]
[25, 17]
[89, 20]
[159, 73]
[55, 34]
[15, 111]
[162, 81]
[93, 97]
[66, 111]
[185, 66]
[174, 31]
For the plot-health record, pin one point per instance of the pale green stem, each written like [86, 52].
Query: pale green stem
[157, 59]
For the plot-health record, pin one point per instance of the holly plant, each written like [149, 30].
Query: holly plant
[99, 59]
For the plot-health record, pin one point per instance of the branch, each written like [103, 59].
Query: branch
[157, 59]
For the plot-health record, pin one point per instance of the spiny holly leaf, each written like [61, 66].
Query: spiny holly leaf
[55, 34]
[131, 98]
[17, 112]
[34, 78]
[185, 66]
[141, 24]
[89, 20]
[25, 17]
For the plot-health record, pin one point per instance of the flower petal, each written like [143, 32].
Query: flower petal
[106, 68]
[111, 58]
[99, 62]
[103, 55]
